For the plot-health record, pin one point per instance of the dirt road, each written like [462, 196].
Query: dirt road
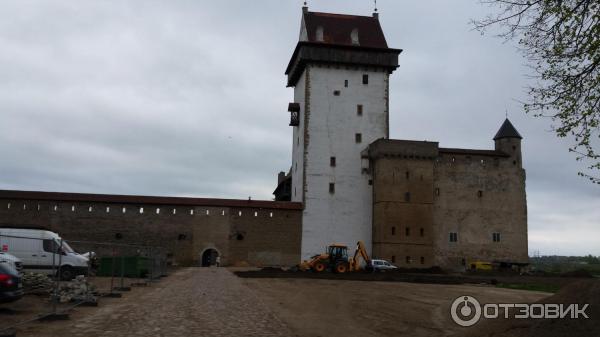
[214, 302]
[357, 308]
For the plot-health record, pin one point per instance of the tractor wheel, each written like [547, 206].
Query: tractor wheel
[341, 267]
[319, 267]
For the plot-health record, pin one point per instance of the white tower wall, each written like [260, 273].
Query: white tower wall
[328, 127]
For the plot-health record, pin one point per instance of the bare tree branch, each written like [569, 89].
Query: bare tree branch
[561, 41]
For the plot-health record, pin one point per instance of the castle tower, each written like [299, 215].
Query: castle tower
[508, 140]
[340, 73]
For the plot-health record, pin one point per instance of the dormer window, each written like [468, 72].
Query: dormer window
[319, 34]
[354, 37]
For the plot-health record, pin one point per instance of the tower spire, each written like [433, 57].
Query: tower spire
[375, 13]
[305, 7]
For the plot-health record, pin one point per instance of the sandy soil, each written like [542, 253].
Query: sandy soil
[357, 308]
[308, 307]
[582, 292]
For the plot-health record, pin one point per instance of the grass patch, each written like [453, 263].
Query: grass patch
[548, 288]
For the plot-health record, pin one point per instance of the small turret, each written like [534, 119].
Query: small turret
[508, 140]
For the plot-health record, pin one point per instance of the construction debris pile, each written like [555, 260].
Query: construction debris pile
[36, 282]
[77, 290]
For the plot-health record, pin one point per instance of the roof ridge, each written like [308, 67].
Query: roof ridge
[341, 15]
[146, 199]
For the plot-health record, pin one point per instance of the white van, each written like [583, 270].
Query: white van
[40, 252]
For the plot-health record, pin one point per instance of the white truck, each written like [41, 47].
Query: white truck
[43, 251]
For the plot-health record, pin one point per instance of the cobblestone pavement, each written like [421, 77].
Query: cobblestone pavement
[190, 302]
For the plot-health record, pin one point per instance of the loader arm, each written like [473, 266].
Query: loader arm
[361, 251]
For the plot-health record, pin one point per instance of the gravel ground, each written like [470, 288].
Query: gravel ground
[190, 302]
[214, 302]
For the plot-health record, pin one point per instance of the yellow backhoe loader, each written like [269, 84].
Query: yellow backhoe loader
[336, 259]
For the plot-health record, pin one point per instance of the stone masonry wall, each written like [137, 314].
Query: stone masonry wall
[266, 236]
[423, 193]
[479, 196]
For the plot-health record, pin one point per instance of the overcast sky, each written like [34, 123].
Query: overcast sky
[188, 98]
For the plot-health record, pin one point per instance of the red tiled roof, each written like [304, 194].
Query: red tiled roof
[138, 199]
[337, 29]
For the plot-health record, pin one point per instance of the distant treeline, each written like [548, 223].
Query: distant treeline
[561, 264]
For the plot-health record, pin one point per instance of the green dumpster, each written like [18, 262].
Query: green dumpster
[133, 266]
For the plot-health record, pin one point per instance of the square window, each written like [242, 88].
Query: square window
[393, 259]
[359, 110]
[422, 232]
[336, 93]
[422, 260]
[408, 260]
[407, 196]
[407, 231]
[332, 161]
[346, 83]
[358, 138]
[365, 79]
[496, 237]
[393, 230]
[453, 237]
[331, 188]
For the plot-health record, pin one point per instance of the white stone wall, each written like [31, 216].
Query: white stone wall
[298, 142]
[346, 216]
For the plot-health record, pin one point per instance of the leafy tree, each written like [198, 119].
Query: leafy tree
[591, 259]
[561, 41]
